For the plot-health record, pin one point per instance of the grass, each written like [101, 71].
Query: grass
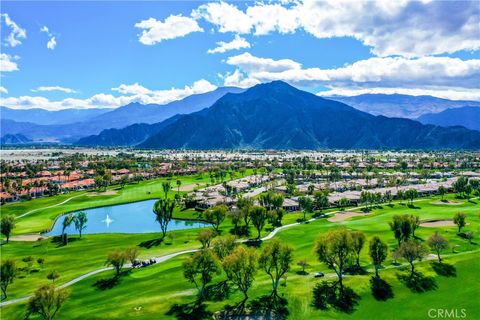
[44, 215]
[151, 292]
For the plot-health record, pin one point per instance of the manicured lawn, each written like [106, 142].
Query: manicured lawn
[151, 292]
[44, 215]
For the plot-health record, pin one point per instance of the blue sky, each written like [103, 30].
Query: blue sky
[112, 53]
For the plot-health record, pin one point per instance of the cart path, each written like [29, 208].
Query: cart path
[52, 206]
[175, 254]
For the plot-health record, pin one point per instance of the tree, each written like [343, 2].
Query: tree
[358, 240]
[47, 301]
[131, 254]
[275, 259]
[223, 246]
[163, 210]
[258, 217]
[53, 275]
[441, 191]
[412, 250]
[411, 194]
[401, 227]
[123, 180]
[320, 200]
[6, 225]
[166, 186]
[179, 183]
[216, 215]
[378, 252]
[460, 220]
[333, 249]
[244, 204]
[205, 236]
[306, 204]
[240, 267]
[437, 243]
[116, 259]
[202, 265]
[80, 222]
[303, 264]
[67, 221]
[414, 223]
[8, 272]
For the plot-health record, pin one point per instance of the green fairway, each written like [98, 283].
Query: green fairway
[42, 212]
[151, 292]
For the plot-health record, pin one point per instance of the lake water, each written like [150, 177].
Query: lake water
[136, 217]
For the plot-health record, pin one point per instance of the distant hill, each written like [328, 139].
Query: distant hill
[42, 116]
[14, 139]
[154, 113]
[128, 136]
[469, 117]
[118, 118]
[400, 105]
[279, 116]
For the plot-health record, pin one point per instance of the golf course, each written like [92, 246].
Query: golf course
[161, 290]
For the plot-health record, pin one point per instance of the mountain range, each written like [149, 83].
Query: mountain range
[90, 123]
[469, 117]
[400, 105]
[279, 116]
[46, 117]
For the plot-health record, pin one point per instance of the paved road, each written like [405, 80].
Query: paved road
[172, 255]
[52, 206]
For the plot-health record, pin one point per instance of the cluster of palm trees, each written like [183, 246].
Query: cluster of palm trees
[79, 219]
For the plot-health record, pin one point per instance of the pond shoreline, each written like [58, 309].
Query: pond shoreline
[174, 218]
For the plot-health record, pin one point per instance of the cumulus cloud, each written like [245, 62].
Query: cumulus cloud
[238, 79]
[250, 63]
[391, 72]
[237, 43]
[376, 71]
[132, 93]
[54, 88]
[52, 41]
[145, 95]
[175, 26]
[7, 63]
[406, 28]
[3, 90]
[16, 33]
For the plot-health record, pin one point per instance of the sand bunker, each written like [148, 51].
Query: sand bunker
[106, 193]
[341, 216]
[27, 237]
[448, 203]
[437, 223]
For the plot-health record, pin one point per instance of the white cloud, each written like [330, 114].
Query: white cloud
[53, 88]
[3, 90]
[250, 63]
[238, 79]
[102, 100]
[7, 63]
[386, 72]
[175, 26]
[237, 43]
[145, 95]
[52, 41]
[131, 89]
[17, 33]
[406, 28]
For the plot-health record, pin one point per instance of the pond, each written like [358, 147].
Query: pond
[136, 217]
